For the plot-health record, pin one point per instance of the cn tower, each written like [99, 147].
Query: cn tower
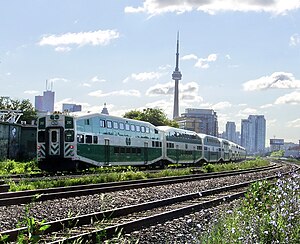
[176, 76]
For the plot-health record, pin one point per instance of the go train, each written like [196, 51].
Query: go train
[65, 142]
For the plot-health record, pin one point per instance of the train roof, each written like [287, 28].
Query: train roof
[169, 128]
[111, 117]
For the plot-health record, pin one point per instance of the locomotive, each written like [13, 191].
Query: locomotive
[67, 142]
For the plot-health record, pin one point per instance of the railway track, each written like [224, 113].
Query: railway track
[106, 224]
[24, 197]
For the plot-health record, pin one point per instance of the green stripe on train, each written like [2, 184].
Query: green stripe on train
[101, 153]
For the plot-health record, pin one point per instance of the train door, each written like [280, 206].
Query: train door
[106, 151]
[55, 142]
[146, 152]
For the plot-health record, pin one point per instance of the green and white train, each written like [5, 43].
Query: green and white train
[66, 143]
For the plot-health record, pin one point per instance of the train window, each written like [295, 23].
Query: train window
[80, 138]
[157, 144]
[87, 122]
[116, 125]
[205, 148]
[121, 126]
[54, 136]
[160, 144]
[127, 127]
[132, 127]
[155, 131]
[153, 144]
[102, 123]
[69, 135]
[133, 150]
[147, 130]
[138, 128]
[138, 150]
[41, 136]
[95, 139]
[116, 150]
[109, 124]
[143, 129]
[122, 150]
[128, 150]
[186, 146]
[88, 139]
[42, 123]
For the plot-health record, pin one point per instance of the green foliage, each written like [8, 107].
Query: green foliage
[258, 162]
[122, 173]
[34, 229]
[29, 112]
[13, 167]
[152, 115]
[268, 214]
[279, 153]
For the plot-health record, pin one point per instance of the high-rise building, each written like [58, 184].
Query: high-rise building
[69, 107]
[176, 76]
[45, 103]
[230, 131]
[199, 120]
[253, 134]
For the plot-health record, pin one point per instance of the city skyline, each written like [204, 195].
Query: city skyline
[238, 59]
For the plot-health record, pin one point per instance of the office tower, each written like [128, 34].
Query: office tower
[70, 107]
[199, 120]
[253, 134]
[230, 131]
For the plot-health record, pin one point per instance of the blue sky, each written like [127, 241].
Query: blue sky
[236, 58]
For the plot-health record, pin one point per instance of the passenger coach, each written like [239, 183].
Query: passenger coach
[65, 143]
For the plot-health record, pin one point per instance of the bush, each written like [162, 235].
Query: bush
[268, 214]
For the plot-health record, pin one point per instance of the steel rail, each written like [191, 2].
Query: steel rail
[24, 197]
[130, 226]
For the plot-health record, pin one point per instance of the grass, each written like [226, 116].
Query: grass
[268, 214]
[8, 167]
[129, 174]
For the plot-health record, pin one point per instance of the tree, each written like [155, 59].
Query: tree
[25, 106]
[152, 115]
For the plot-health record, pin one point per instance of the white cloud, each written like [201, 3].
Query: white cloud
[202, 63]
[57, 79]
[280, 80]
[100, 37]
[269, 105]
[96, 79]
[99, 93]
[291, 98]
[143, 76]
[222, 105]
[246, 112]
[161, 89]
[92, 81]
[188, 91]
[155, 7]
[63, 49]
[32, 92]
[189, 57]
[294, 123]
[295, 40]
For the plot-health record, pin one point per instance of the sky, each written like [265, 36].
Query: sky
[236, 57]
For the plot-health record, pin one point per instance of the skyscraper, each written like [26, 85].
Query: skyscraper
[176, 76]
[253, 134]
[230, 131]
[45, 103]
